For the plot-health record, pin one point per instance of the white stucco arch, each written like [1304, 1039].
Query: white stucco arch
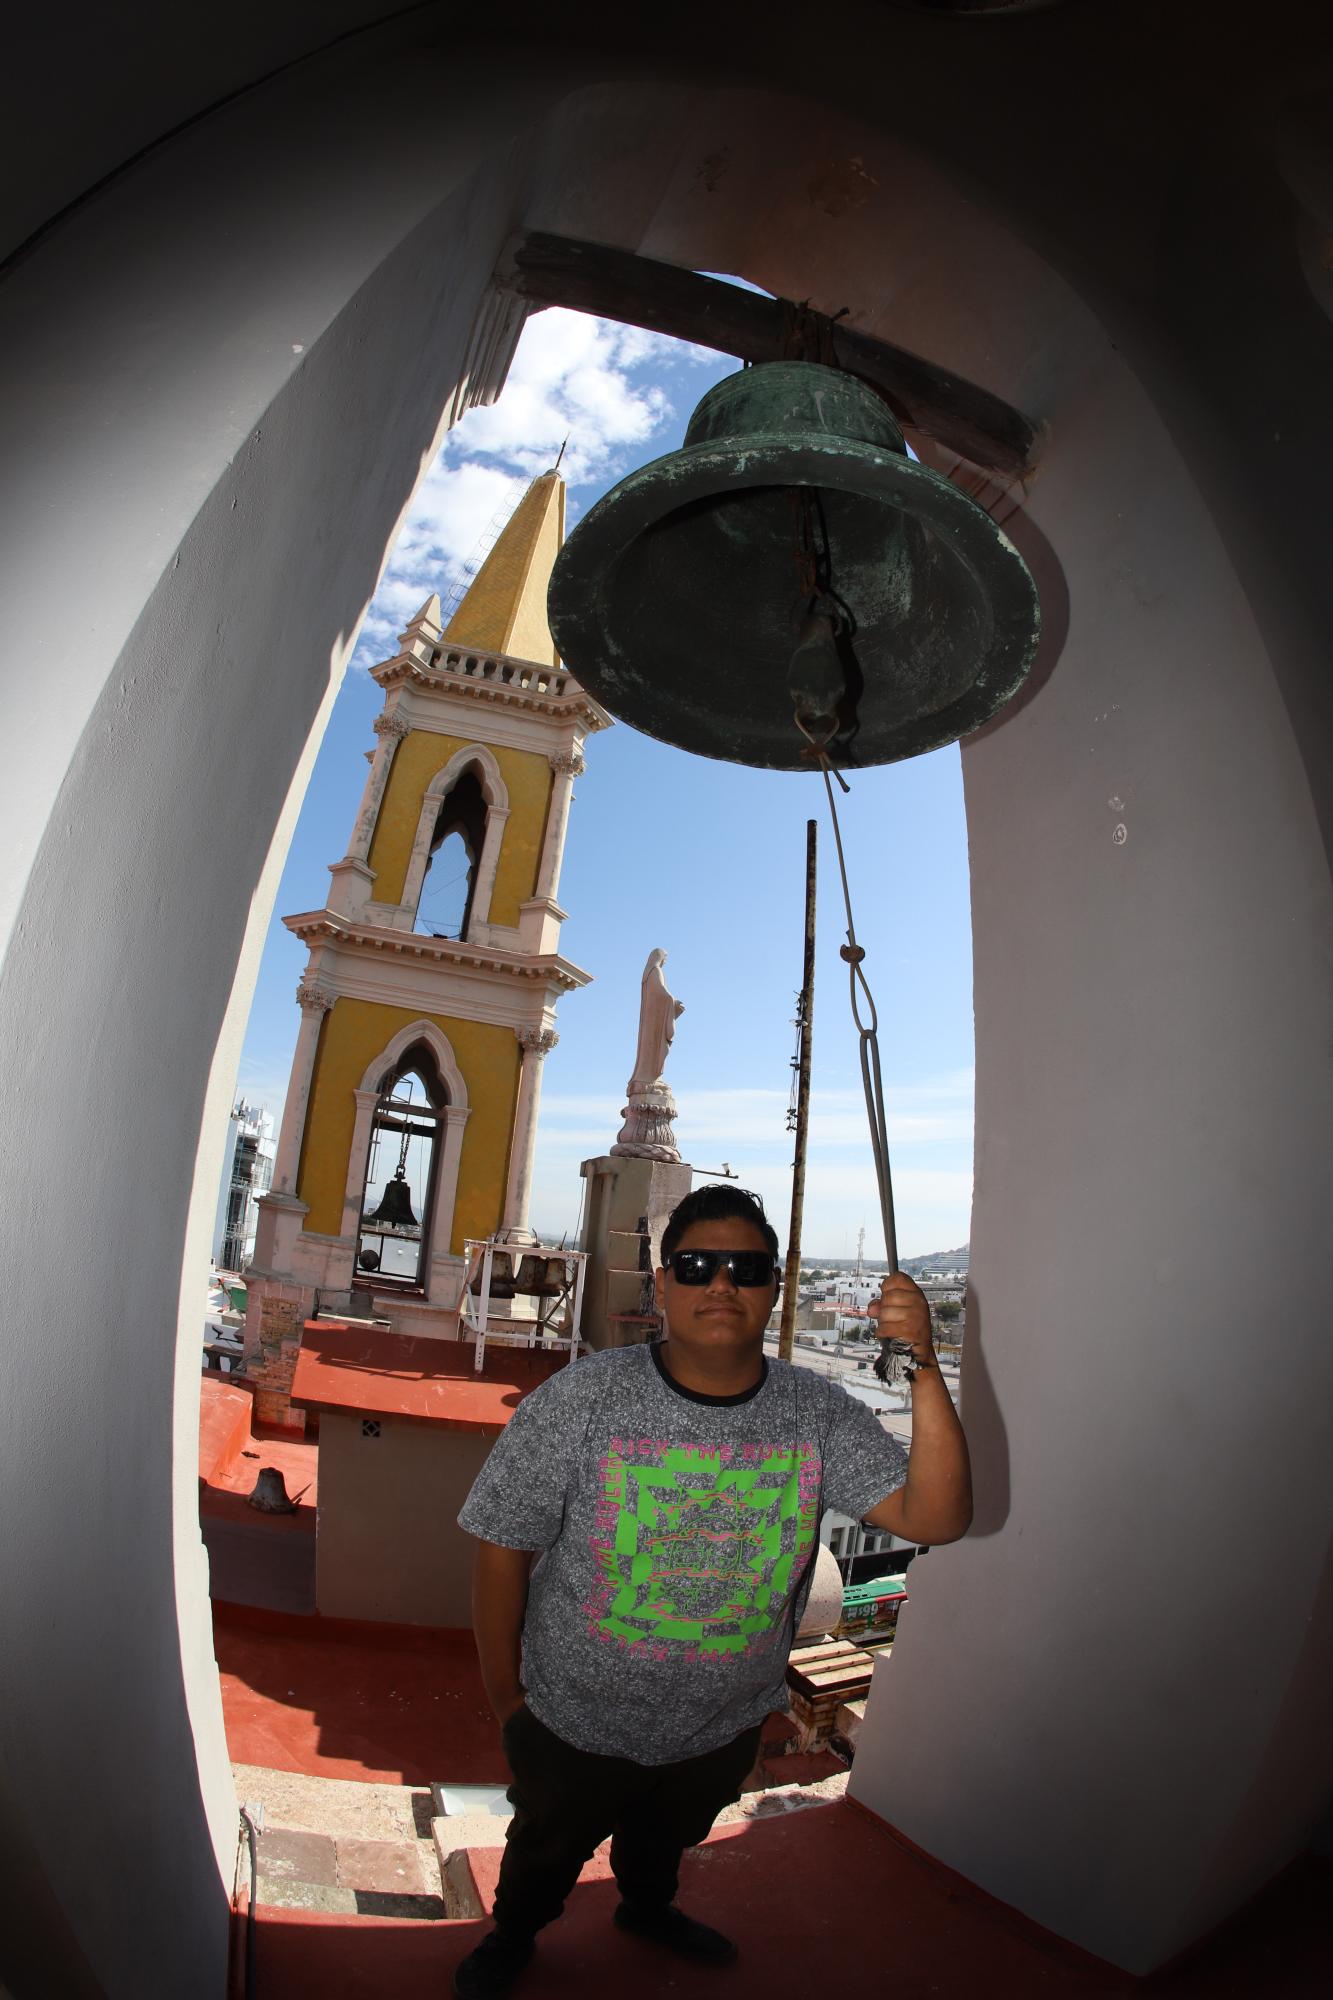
[274, 308]
[481, 758]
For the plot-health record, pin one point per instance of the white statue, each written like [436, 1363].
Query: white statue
[646, 1133]
[658, 1013]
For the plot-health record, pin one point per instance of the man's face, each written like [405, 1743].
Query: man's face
[721, 1314]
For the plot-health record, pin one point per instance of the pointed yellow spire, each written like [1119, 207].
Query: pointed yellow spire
[504, 610]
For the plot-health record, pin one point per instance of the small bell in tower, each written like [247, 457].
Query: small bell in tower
[395, 1209]
[791, 580]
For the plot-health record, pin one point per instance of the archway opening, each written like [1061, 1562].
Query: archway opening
[402, 1165]
[449, 886]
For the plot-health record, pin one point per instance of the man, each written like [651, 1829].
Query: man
[647, 1524]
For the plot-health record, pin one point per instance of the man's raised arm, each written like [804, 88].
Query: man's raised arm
[935, 1505]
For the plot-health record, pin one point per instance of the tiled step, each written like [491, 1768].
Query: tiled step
[343, 1848]
[347, 1877]
[344, 1808]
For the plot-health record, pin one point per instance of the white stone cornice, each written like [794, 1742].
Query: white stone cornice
[548, 968]
[536, 730]
[445, 993]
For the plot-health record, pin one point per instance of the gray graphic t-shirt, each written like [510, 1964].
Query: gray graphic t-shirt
[677, 1536]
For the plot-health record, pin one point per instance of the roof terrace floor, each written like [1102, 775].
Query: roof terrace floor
[820, 1901]
[824, 1898]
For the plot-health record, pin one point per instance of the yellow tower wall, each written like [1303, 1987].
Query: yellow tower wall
[421, 755]
[354, 1033]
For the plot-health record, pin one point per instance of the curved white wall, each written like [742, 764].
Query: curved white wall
[1112, 1650]
[198, 523]
[196, 518]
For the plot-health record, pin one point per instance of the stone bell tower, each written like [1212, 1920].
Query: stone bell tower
[417, 1028]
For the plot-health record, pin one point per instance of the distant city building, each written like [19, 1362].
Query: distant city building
[847, 1539]
[247, 1172]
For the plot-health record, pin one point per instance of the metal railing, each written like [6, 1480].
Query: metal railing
[496, 1271]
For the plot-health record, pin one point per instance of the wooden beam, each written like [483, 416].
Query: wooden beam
[615, 284]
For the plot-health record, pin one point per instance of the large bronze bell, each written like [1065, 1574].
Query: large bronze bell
[792, 559]
[395, 1209]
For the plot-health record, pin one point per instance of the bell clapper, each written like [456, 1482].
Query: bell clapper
[817, 680]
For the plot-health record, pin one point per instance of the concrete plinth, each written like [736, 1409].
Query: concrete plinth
[629, 1201]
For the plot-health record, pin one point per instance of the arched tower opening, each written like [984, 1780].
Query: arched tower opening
[402, 1166]
[449, 885]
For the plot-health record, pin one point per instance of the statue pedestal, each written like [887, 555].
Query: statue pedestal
[629, 1199]
[647, 1133]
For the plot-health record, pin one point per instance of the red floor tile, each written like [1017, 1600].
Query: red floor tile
[396, 1704]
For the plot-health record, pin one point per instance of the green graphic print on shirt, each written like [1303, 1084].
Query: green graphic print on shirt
[697, 1548]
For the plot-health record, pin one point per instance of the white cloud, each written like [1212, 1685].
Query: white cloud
[935, 1111]
[932, 1206]
[450, 514]
[747, 1128]
[570, 381]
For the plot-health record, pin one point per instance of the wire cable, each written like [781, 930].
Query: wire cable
[872, 1076]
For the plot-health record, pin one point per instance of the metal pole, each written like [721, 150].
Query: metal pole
[791, 1282]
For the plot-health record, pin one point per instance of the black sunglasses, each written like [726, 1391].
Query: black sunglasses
[700, 1267]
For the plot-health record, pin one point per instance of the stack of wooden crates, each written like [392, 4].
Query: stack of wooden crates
[822, 1680]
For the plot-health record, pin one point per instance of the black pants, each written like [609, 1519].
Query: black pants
[566, 1801]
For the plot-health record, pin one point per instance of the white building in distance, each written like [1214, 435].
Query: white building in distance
[246, 1174]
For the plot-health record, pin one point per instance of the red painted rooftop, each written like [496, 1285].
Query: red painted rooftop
[827, 1899]
[373, 1372]
[821, 1902]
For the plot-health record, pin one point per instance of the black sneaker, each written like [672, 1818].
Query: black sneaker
[679, 1933]
[493, 1967]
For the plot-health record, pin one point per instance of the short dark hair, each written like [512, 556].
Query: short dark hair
[717, 1201]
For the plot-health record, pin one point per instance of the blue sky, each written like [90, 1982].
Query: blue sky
[704, 859]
